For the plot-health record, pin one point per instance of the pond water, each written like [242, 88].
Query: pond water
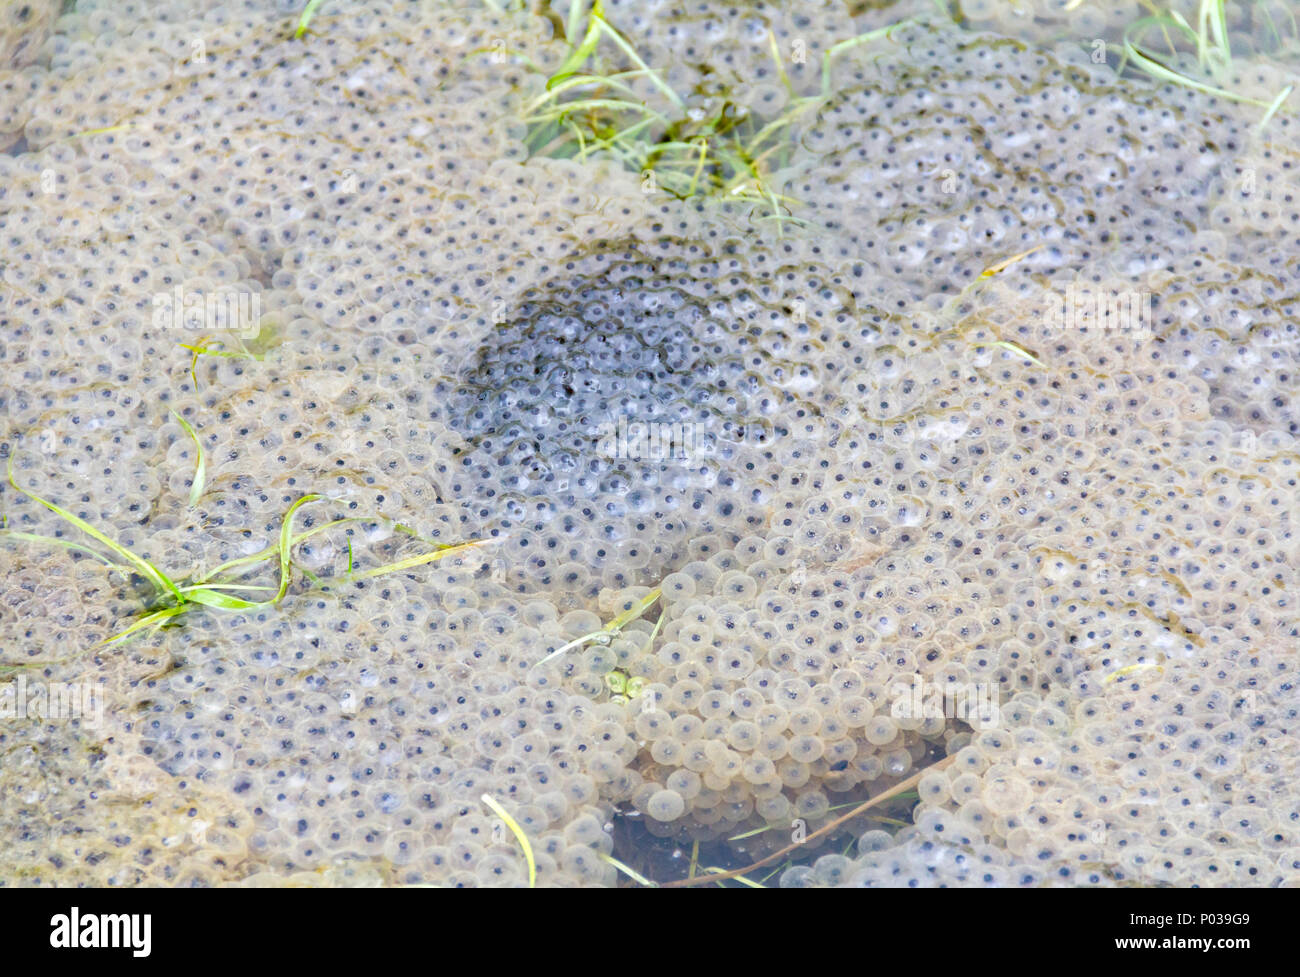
[458, 443]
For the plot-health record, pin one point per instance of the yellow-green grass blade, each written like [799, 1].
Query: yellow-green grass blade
[1180, 22]
[202, 348]
[699, 166]
[687, 148]
[201, 468]
[612, 628]
[159, 579]
[579, 55]
[776, 57]
[1019, 351]
[286, 542]
[655, 632]
[149, 620]
[518, 832]
[713, 870]
[308, 12]
[1129, 670]
[316, 581]
[756, 831]
[632, 874]
[415, 561]
[197, 349]
[573, 24]
[1006, 263]
[635, 611]
[99, 132]
[781, 827]
[577, 134]
[785, 120]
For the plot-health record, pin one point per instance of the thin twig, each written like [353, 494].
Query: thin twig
[898, 788]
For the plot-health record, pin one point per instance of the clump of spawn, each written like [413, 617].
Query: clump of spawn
[920, 501]
[619, 415]
[1160, 636]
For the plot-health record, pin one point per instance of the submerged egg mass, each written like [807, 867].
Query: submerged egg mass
[620, 397]
[778, 509]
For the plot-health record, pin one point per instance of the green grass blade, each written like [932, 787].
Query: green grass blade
[852, 42]
[262, 556]
[55, 541]
[577, 134]
[565, 109]
[1213, 11]
[222, 586]
[579, 55]
[518, 832]
[308, 13]
[159, 579]
[286, 541]
[149, 620]
[580, 79]
[1276, 106]
[628, 50]
[315, 580]
[572, 644]
[213, 598]
[613, 627]
[574, 22]
[1136, 52]
[200, 469]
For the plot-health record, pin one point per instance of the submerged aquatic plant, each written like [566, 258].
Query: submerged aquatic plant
[256, 348]
[518, 832]
[590, 107]
[1209, 39]
[216, 588]
[612, 629]
[200, 467]
[307, 14]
